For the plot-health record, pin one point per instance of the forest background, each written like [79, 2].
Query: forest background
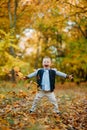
[32, 29]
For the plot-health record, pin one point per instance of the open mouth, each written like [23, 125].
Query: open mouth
[46, 65]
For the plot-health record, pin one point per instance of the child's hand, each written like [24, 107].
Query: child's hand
[25, 78]
[70, 77]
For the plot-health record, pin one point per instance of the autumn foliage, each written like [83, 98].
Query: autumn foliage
[59, 31]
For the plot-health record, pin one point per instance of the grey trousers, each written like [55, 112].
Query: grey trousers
[49, 95]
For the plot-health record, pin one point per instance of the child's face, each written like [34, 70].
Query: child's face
[46, 62]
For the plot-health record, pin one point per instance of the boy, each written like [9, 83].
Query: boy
[46, 83]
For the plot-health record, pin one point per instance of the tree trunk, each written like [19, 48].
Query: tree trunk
[12, 20]
[37, 56]
[15, 14]
[9, 13]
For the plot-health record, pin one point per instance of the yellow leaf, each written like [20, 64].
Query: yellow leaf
[4, 128]
[2, 96]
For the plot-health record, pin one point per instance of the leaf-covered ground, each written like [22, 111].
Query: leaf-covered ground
[16, 100]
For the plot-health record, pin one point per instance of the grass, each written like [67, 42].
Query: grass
[64, 91]
[6, 87]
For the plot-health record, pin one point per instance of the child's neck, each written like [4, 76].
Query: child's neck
[46, 67]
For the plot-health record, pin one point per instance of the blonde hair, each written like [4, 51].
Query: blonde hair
[46, 57]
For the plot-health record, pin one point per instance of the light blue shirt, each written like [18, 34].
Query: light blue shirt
[45, 79]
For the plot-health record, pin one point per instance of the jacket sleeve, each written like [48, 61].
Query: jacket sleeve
[32, 74]
[61, 74]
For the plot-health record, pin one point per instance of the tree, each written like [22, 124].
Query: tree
[61, 24]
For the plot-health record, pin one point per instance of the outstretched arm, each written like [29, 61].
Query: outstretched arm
[61, 74]
[58, 73]
[31, 75]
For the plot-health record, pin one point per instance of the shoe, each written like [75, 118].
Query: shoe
[31, 111]
[58, 113]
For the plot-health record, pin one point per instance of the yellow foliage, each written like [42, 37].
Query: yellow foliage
[2, 96]
[7, 61]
